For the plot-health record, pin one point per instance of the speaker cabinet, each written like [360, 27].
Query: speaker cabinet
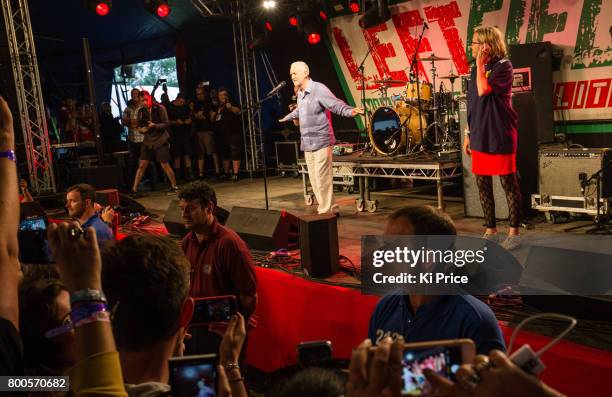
[319, 245]
[564, 171]
[264, 230]
[173, 219]
[538, 57]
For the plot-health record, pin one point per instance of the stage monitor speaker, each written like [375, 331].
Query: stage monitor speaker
[319, 245]
[526, 163]
[538, 58]
[173, 218]
[102, 177]
[264, 230]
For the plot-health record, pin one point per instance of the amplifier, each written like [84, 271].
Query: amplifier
[573, 173]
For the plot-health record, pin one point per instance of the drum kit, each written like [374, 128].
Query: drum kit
[419, 119]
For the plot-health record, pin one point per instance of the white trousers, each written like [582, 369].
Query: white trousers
[320, 173]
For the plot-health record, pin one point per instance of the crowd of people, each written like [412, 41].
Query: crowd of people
[172, 132]
[112, 316]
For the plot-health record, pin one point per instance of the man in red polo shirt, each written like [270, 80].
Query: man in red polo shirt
[221, 263]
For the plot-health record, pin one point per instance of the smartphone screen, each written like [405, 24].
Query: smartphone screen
[218, 309]
[443, 360]
[32, 225]
[32, 238]
[193, 376]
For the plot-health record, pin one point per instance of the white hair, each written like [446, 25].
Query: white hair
[300, 65]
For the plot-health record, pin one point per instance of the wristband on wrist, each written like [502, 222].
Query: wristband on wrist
[9, 154]
[102, 316]
[84, 311]
[87, 295]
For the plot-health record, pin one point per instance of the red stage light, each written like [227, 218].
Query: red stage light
[323, 15]
[314, 38]
[268, 26]
[102, 9]
[293, 21]
[354, 6]
[163, 10]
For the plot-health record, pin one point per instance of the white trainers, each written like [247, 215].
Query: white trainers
[512, 242]
[493, 237]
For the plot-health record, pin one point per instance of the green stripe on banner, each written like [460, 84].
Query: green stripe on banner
[596, 128]
[345, 88]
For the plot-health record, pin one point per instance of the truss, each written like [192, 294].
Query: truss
[29, 94]
[434, 171]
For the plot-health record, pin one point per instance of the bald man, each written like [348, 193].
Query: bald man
[314, 103]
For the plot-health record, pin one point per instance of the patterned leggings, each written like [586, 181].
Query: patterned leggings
[513, 196]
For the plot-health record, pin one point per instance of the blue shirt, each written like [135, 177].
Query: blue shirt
[446, 317]
[103, 232]
[314, 105]
[491, 118]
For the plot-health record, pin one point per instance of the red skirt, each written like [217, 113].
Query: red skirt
[493, 164]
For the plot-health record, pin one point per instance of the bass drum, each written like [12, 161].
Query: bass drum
[389, 127]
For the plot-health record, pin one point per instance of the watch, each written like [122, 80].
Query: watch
[9, 154]
[87, 295]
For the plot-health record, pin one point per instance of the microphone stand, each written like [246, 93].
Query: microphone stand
[363, 89]
[257, 106]
[415, 73]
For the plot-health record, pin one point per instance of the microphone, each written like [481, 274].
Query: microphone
[425, 25]
[277, 88]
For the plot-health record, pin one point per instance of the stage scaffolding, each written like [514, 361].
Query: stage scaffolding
[237, 11]
[29, 95]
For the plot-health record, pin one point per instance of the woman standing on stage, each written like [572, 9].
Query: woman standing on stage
[492, 125]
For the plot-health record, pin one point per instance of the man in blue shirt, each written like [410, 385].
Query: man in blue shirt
[421, 318]
[314, 103]
[80, 200]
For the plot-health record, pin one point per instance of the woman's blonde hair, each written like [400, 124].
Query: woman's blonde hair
[492, 37]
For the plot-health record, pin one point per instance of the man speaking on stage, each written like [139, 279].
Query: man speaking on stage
[314, 103]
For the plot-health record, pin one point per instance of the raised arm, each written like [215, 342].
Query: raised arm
[335, 105]
[9, 219]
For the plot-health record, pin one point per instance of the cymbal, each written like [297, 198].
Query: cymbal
[389, 81]
[434, 58]
[450, 76]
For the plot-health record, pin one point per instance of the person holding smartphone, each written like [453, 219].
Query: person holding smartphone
[492, 130]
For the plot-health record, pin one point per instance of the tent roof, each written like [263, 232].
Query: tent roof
[59, 29]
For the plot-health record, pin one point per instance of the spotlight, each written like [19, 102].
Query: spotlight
[293, 21]
[268, 26]
[269, 4]
[314, 38]
[323, 15]
[354, 6]
[312, 32]
[100, 7]
[161, 8]
[376, 15]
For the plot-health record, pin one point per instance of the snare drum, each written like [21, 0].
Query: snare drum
[425, 93]
[390, 129]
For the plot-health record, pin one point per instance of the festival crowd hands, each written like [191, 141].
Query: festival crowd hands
[377, 372]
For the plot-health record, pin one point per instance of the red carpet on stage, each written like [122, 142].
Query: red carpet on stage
[293, 310]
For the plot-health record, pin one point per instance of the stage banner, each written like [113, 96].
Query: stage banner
[579, 30]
